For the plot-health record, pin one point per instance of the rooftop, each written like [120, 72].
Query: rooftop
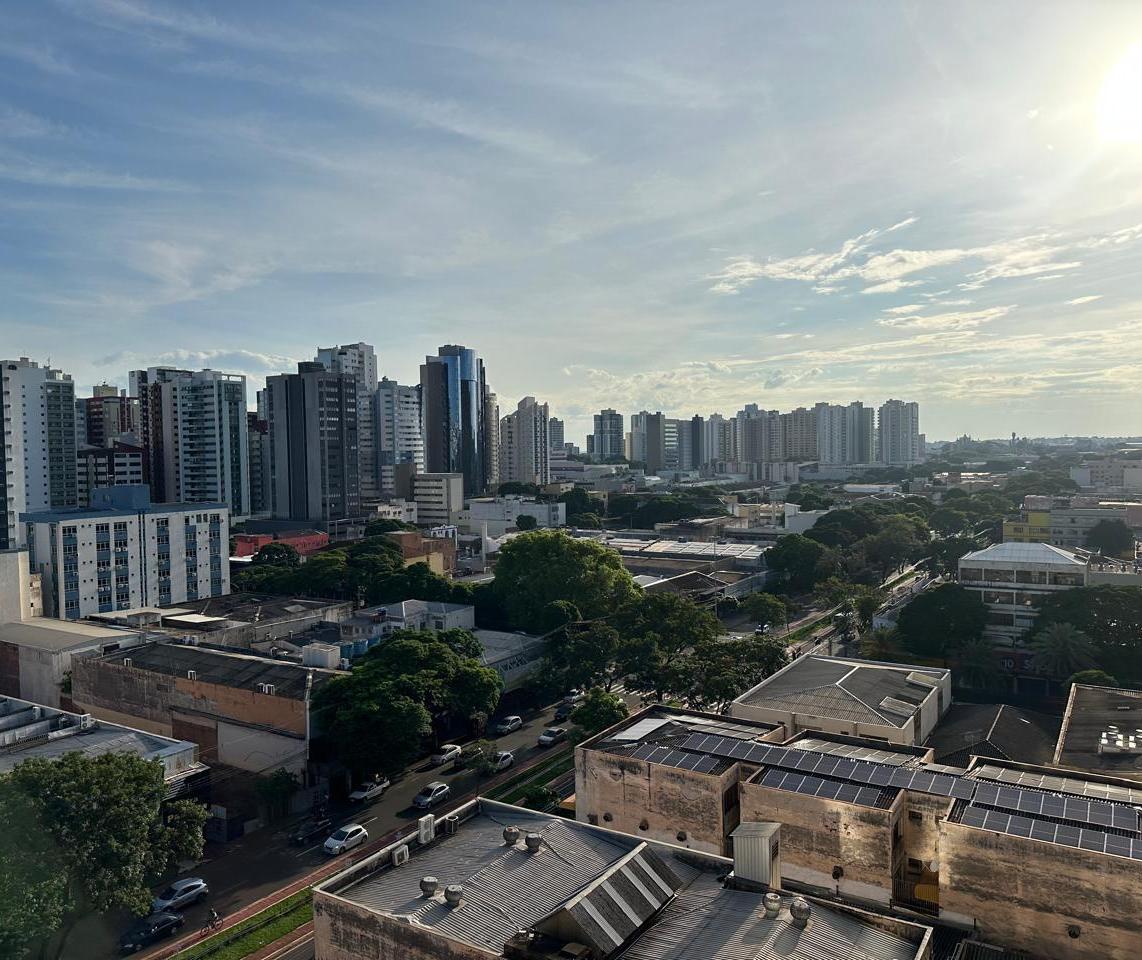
[31, 731]
[411, 608]
[860, 691]
[222, 667]
[1101, 731]
[1041, 553]
[995, 730]
[612, 893]
[46, 633]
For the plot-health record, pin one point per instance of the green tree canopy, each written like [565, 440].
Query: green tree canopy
[944, 554]
[597, 711]
[278, 554]
[1061, 650]
[379, 527]
[939, 621]
[538, 568]
[99, 825]
[1111, 538]
[658, 633]
[526, 522]
[798, 559]
[975, 664]
[947, 521]
[1093, 678]
[718, 671]
[1111, 616]
[765, 608]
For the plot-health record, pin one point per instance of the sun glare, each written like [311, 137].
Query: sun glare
[1119, 104]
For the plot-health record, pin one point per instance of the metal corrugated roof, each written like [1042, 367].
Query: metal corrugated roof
[1024, 553]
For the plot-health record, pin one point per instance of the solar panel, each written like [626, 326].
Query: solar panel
[942, 785]
[867, 796]
[863, 773]
[644, 751]
[829, 789]
[706, 764]
[994, 820]
[847, 793]
[881, 776]
[1102, 814]
[1054, 807]
[827, 765]
[1067, 834]
[973, 816]
[963, 789]
[739, 749]
[922, 781]
[1008, 797]
[1119, 846]
[844, 769]
[773, 778]
[986, 793]
[1124, 818]
[1043, 830]
[1136, 849]
[1019, 826]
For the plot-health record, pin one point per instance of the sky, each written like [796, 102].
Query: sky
[667, 205]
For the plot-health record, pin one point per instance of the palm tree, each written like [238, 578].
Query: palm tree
[1061, 650]
[976, 664]
[881, 644]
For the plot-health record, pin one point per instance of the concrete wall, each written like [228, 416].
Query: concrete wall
[347, 931]
[250, 749]
[1025, 894]
[667, 799]
[818, 835]
[799, 722]
[142, 695]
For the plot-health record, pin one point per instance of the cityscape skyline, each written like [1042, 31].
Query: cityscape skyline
[884, 215]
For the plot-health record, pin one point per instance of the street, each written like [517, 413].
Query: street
[244, 871]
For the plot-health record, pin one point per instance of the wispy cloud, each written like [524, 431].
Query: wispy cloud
[39, 174]
[241, 361]
[955, 320]
[907, 222]
[20, 125]
[1080, 300]
[40, 56]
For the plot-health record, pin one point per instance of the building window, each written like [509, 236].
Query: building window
[915, 816]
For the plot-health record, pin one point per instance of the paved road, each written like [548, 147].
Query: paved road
[246, 870]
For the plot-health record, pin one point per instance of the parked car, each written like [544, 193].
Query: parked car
[508, 724]
[370, 790]
[309, 830]
[346, 838]
[762, 629]
[150, 930]
[450, 751]
[504, 759]
[551, 736]
[574, 696]
[436, 792]
[180, 894]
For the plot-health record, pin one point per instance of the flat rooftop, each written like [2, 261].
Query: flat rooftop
[47, 633]
[251, 607]
[859, 691]
[1024, 553]
[222, 667]
[32, 731]
[1094, 713]
[613, 893]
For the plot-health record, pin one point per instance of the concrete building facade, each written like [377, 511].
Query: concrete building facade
[120, 463]
[607, 438]
[455, 404]
[37, 457]
[359, 361]
[844, 433]
[124, 552]
[400, 431]
[898, 433]
[439, 498]
[525, 444]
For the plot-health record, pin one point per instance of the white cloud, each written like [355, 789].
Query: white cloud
[956, 320]
[21, 125]
[42, 57]
[902, 224]
[36, 173]
[891, 286]
[905, 308]
[1080, 300]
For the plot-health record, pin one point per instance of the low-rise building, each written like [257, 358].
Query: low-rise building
[1014, 579]
[21, 591]
[995, 730]
[893, 702]
[1101, 732]
[439, 498]
[36, 654]
[491, 880]
[304, 542]
[33, 731]
[501, 513]
[514, 656]
[982, 847]
[1109, 475]
[372, 623]
[251, 713]
[120, 463]
[124, 551]
[403, 511]
[439, 553]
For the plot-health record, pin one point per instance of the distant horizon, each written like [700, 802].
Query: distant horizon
[639, 205]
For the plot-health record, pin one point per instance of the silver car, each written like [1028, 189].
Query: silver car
[181, 893]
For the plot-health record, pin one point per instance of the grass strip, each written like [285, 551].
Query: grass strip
[254, 932]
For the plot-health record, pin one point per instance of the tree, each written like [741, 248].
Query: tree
[900, 539]
[275, 791]
[382, 733]
[526, 522]
[102, 830]
[657, 632]
[881, 644]
[278, 554]
[718, 671]
[597, 711]
[938, 621]
[798, 559]
[947, 521]
[480, 757]
[584, 655]
[975, 664]
[514, 489]
[944, 555]
[542, 566]
[1061, 650]
[378, 528]
[1111, 616]
[765, 608]
[1111, 538]
[1093, 678]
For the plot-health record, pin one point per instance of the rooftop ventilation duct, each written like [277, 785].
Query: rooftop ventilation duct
[428, 886]
[453, 894]
[534, 841]
[772, 905]
[511, 836]
[800, 911]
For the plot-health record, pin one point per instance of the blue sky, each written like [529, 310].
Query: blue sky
[678, 206]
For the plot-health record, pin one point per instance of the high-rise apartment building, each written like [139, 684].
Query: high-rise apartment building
[799, 436]
[844, 433]
[311, 417]
[491, 439]
[106, 415]
[637, 446]
[607, 440]
[399, 431]
[258, 445]
[654, 441]
[760, 436]
[359, 360]
[457, 429]
[119, 463]
[898, 432]
[717, 440]
[525, 444]
[37, 458]
[193, 425]
[556, 432]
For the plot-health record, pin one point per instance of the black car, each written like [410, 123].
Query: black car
[564, 711]
[315, 828]
[150, 930]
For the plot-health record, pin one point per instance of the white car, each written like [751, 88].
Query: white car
[436, 792]
[509, 724]
[503, 760]
[448, 752]
[181, 893]
[552, 736]
[346, 838]
[369, 790]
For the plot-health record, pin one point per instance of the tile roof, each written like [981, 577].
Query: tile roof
[996, 730]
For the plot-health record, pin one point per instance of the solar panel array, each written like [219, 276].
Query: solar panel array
[1095, 812]
[812, 786]
[1046, 781]
[666, 757]
[1017, 826]
[854, 752]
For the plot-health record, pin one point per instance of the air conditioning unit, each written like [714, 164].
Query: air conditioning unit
[400, 855]
[126, 661]
[426, 829]
[191, 674]
[451, 824]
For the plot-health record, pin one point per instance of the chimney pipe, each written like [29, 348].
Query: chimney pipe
[800, 911]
